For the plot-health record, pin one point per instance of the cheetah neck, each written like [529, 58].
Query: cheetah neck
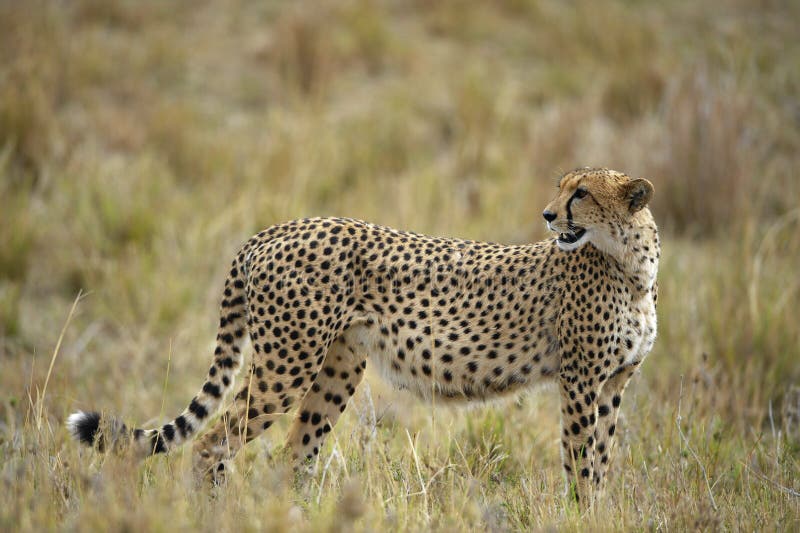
[636, 248]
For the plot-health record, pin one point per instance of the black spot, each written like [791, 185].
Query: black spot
[157, 444]
[183, 426]
[197, 410]
[169, 431]
[213, 390]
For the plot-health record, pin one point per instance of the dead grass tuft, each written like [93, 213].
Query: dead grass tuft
[713, 151]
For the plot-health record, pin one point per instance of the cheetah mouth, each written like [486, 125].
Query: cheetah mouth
[571, 237]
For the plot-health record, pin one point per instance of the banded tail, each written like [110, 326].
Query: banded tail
[90, 428]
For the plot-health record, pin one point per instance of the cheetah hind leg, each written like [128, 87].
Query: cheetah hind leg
[341, 374]
[241, 423]
[270, 391]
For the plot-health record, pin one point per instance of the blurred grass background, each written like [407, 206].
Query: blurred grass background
[142, 142]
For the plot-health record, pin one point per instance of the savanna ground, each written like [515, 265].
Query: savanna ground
[142, 142]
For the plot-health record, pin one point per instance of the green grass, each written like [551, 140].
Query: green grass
[142, 142]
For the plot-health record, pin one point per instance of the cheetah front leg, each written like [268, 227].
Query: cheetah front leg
[578, 421]
[607, 414]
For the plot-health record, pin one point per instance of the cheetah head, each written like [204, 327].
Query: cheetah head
[597, 206]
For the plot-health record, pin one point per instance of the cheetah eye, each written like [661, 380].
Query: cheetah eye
[580, 193]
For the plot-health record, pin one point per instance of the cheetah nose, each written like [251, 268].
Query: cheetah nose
[549, 216]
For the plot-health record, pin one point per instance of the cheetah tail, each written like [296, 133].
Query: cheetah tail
[92, 429]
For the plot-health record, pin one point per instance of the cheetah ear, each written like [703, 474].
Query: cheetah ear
[638, 193]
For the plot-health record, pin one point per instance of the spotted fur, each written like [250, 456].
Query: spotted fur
[445, 318]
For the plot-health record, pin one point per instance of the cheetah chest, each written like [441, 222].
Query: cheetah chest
[638, 333]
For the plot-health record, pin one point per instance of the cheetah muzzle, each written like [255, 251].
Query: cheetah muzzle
[450, 319]
[572, 237]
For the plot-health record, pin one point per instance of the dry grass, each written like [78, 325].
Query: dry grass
[141, 142]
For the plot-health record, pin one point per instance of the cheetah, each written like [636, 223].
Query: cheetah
[447, 319]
